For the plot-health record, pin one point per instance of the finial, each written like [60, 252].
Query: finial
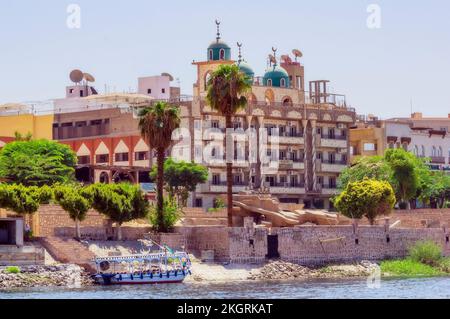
[274, 50]
[240, 53]
[218, 30]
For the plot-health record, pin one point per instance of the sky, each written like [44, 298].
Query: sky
[387, 71]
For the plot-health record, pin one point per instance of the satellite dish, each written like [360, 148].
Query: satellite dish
[88, 77]
[297, 53]
[167, 74]
[76, 76]
[286, 59]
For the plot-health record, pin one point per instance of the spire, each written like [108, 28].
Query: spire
[240, 53]
[218, 30]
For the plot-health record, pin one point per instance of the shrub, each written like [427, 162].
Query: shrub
[172, 213]
[12, 270]
[426, 252]
[408, 267]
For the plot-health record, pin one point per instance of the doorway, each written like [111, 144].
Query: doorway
[272, 247]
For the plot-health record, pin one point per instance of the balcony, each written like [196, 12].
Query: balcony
[328, 189]
[69, 132]
[437, 159]
[332, 166]
[287, 188]
[337, 141]
[221, 187]
[288, 164]
[288, 138]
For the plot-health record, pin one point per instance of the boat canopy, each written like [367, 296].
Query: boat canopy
[142, 258]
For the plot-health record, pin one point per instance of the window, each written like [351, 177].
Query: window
[423, 151]
[331, 133]
[141, 156]
[391, 145]
[84, 160]
[283, 83]
[222, 54]
[71, 91]
[198, 202]
[211, 57]
[216, 179]
[215, 124]
[81, 93]
[66, 124]
[121, 157]
[102, 158]
[433, 151]
[440, 153]
[269, 82]
[81, 124]
[163, 91]
[369, 147]
[416, 150]
[149, 91]
[96, 122]
[299, 82]
[319, 130]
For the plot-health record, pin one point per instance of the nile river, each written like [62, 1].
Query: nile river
[392, 288]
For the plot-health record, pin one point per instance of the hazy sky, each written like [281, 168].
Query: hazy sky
[380, 70]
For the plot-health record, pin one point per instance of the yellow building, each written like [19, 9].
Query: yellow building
[367, 138]
[17, 118]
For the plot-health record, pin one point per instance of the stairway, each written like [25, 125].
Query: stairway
[69, 251]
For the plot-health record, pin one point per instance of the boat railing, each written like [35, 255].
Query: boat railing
[130, 258]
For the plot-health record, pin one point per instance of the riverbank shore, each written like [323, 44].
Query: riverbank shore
[63, 275]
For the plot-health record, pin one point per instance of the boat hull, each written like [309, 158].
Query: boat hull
[126, 279]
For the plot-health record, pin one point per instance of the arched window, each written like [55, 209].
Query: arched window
[423, 151]
[287, 101]
[222, 54]
[269, 82]
[211, 56]
[440, 153]
[433, 151]
[283, 83]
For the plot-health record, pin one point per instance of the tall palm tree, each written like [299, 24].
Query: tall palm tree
[226, 89]
[156, 123]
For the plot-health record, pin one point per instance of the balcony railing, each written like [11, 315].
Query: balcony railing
[334, 137]
[287, 185]
[437, 159]
[335, 162]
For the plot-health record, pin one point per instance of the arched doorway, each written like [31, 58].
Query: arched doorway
[104, 178]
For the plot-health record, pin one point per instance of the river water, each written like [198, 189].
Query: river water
[422, 288]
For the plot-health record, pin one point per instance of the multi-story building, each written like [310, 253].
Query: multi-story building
[423, 136]
[311, 129]
[307, 132]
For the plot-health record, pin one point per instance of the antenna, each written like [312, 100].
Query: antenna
[297, 53]
[218, 30]
[240, 53]
[76, 76]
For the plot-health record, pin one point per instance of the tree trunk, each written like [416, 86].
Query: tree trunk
[77, 229]
[160, 190]
[229, 174]
[119, 231]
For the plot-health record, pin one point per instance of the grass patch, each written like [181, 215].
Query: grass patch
[410, 268]
[12, 270]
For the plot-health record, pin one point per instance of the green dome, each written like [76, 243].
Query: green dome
[245, 68]
[215, 49]
[276, 74]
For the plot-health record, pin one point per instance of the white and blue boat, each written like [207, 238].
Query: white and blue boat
[155, 268]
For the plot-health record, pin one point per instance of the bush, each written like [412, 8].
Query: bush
[12, 270]
[426, 252]
[408, 267]
[172, 214]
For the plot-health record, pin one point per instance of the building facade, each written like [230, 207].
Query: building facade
[311, 130]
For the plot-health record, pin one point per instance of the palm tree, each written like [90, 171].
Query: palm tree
[226, 89]
[156, 123]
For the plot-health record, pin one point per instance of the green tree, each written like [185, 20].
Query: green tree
[120, 202]
[181, 178]
[225, 93]
[366, 167]
[368, 198]
[76, 201]
[405, 171]
[21, 199]
[37, 163]
[157, 123]
[172, 214]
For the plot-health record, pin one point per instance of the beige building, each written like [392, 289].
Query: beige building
[307, 133]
